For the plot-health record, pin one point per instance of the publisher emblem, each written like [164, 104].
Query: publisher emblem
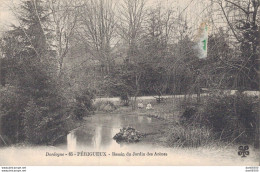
[243, 151]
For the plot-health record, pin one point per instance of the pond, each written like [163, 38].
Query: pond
[99, 130]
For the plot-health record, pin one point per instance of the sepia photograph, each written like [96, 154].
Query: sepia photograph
[129, 83]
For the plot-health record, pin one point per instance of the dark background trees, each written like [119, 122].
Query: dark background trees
[243, 20]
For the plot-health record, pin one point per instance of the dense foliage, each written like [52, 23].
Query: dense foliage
[229, 117]
[34, 107]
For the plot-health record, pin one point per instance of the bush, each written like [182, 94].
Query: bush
[124, 99]
[83, 105]
[42, 126]
[30, 118]
[188, 114]
[105, 106]
[189, 136]
[231, 117]
[33, 124]
[12, 104]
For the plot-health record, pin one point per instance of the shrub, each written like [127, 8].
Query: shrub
[42, 126]
[33, 123]
[189, 136]
[12, 104]
[34, 119]
[231, 117]
[188, 114]
[124, 99]
[83, 105]
[107, 106]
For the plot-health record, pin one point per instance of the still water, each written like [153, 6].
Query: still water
[99, 130]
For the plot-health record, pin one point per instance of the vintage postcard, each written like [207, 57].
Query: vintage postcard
[129, 82]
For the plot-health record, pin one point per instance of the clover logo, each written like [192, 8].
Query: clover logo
[243, 151]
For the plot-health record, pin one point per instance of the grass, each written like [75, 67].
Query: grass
[189, 136]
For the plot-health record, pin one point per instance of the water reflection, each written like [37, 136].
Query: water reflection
[96, 140]
[100, 129]
[71, 142]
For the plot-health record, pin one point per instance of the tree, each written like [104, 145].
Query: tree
[155, 50]
[34, 76]
[121, 82]
[242, 19]
[64, 16]
[220, 74]
[131, 17]
[32, 18]
[97, 29]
